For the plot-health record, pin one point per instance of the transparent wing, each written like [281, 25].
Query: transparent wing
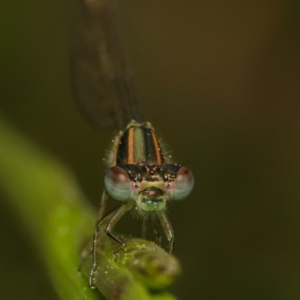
[101, 79]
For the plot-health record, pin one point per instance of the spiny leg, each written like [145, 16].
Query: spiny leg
[101, 211]
[115, 217]
[144, 228]
[168, 229]
[104, 197]
[95, 237]
[156, 229]
[109, 222]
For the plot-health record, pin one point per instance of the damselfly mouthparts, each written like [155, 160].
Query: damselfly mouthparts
[139, 174]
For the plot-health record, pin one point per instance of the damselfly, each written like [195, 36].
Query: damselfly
[139, 174]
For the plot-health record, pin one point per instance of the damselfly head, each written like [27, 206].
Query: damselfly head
[149, 191]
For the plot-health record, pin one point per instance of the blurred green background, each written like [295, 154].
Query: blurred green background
[220, 80]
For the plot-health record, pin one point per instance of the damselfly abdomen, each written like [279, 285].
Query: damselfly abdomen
[139, 174]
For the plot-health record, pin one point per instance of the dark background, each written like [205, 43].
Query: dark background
[220, 80]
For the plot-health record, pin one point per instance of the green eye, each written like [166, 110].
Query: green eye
[182, 185]
[117, 183]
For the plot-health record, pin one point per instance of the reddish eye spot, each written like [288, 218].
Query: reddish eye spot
[117, 175]
[184, 174]
[118, 184]
[183, 184]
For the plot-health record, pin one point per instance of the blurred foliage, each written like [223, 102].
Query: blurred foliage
[50, 210]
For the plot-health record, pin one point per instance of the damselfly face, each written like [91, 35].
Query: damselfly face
[150, 186]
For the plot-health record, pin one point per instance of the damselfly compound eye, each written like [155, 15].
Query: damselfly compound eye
[183, 184]
[117, 183]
